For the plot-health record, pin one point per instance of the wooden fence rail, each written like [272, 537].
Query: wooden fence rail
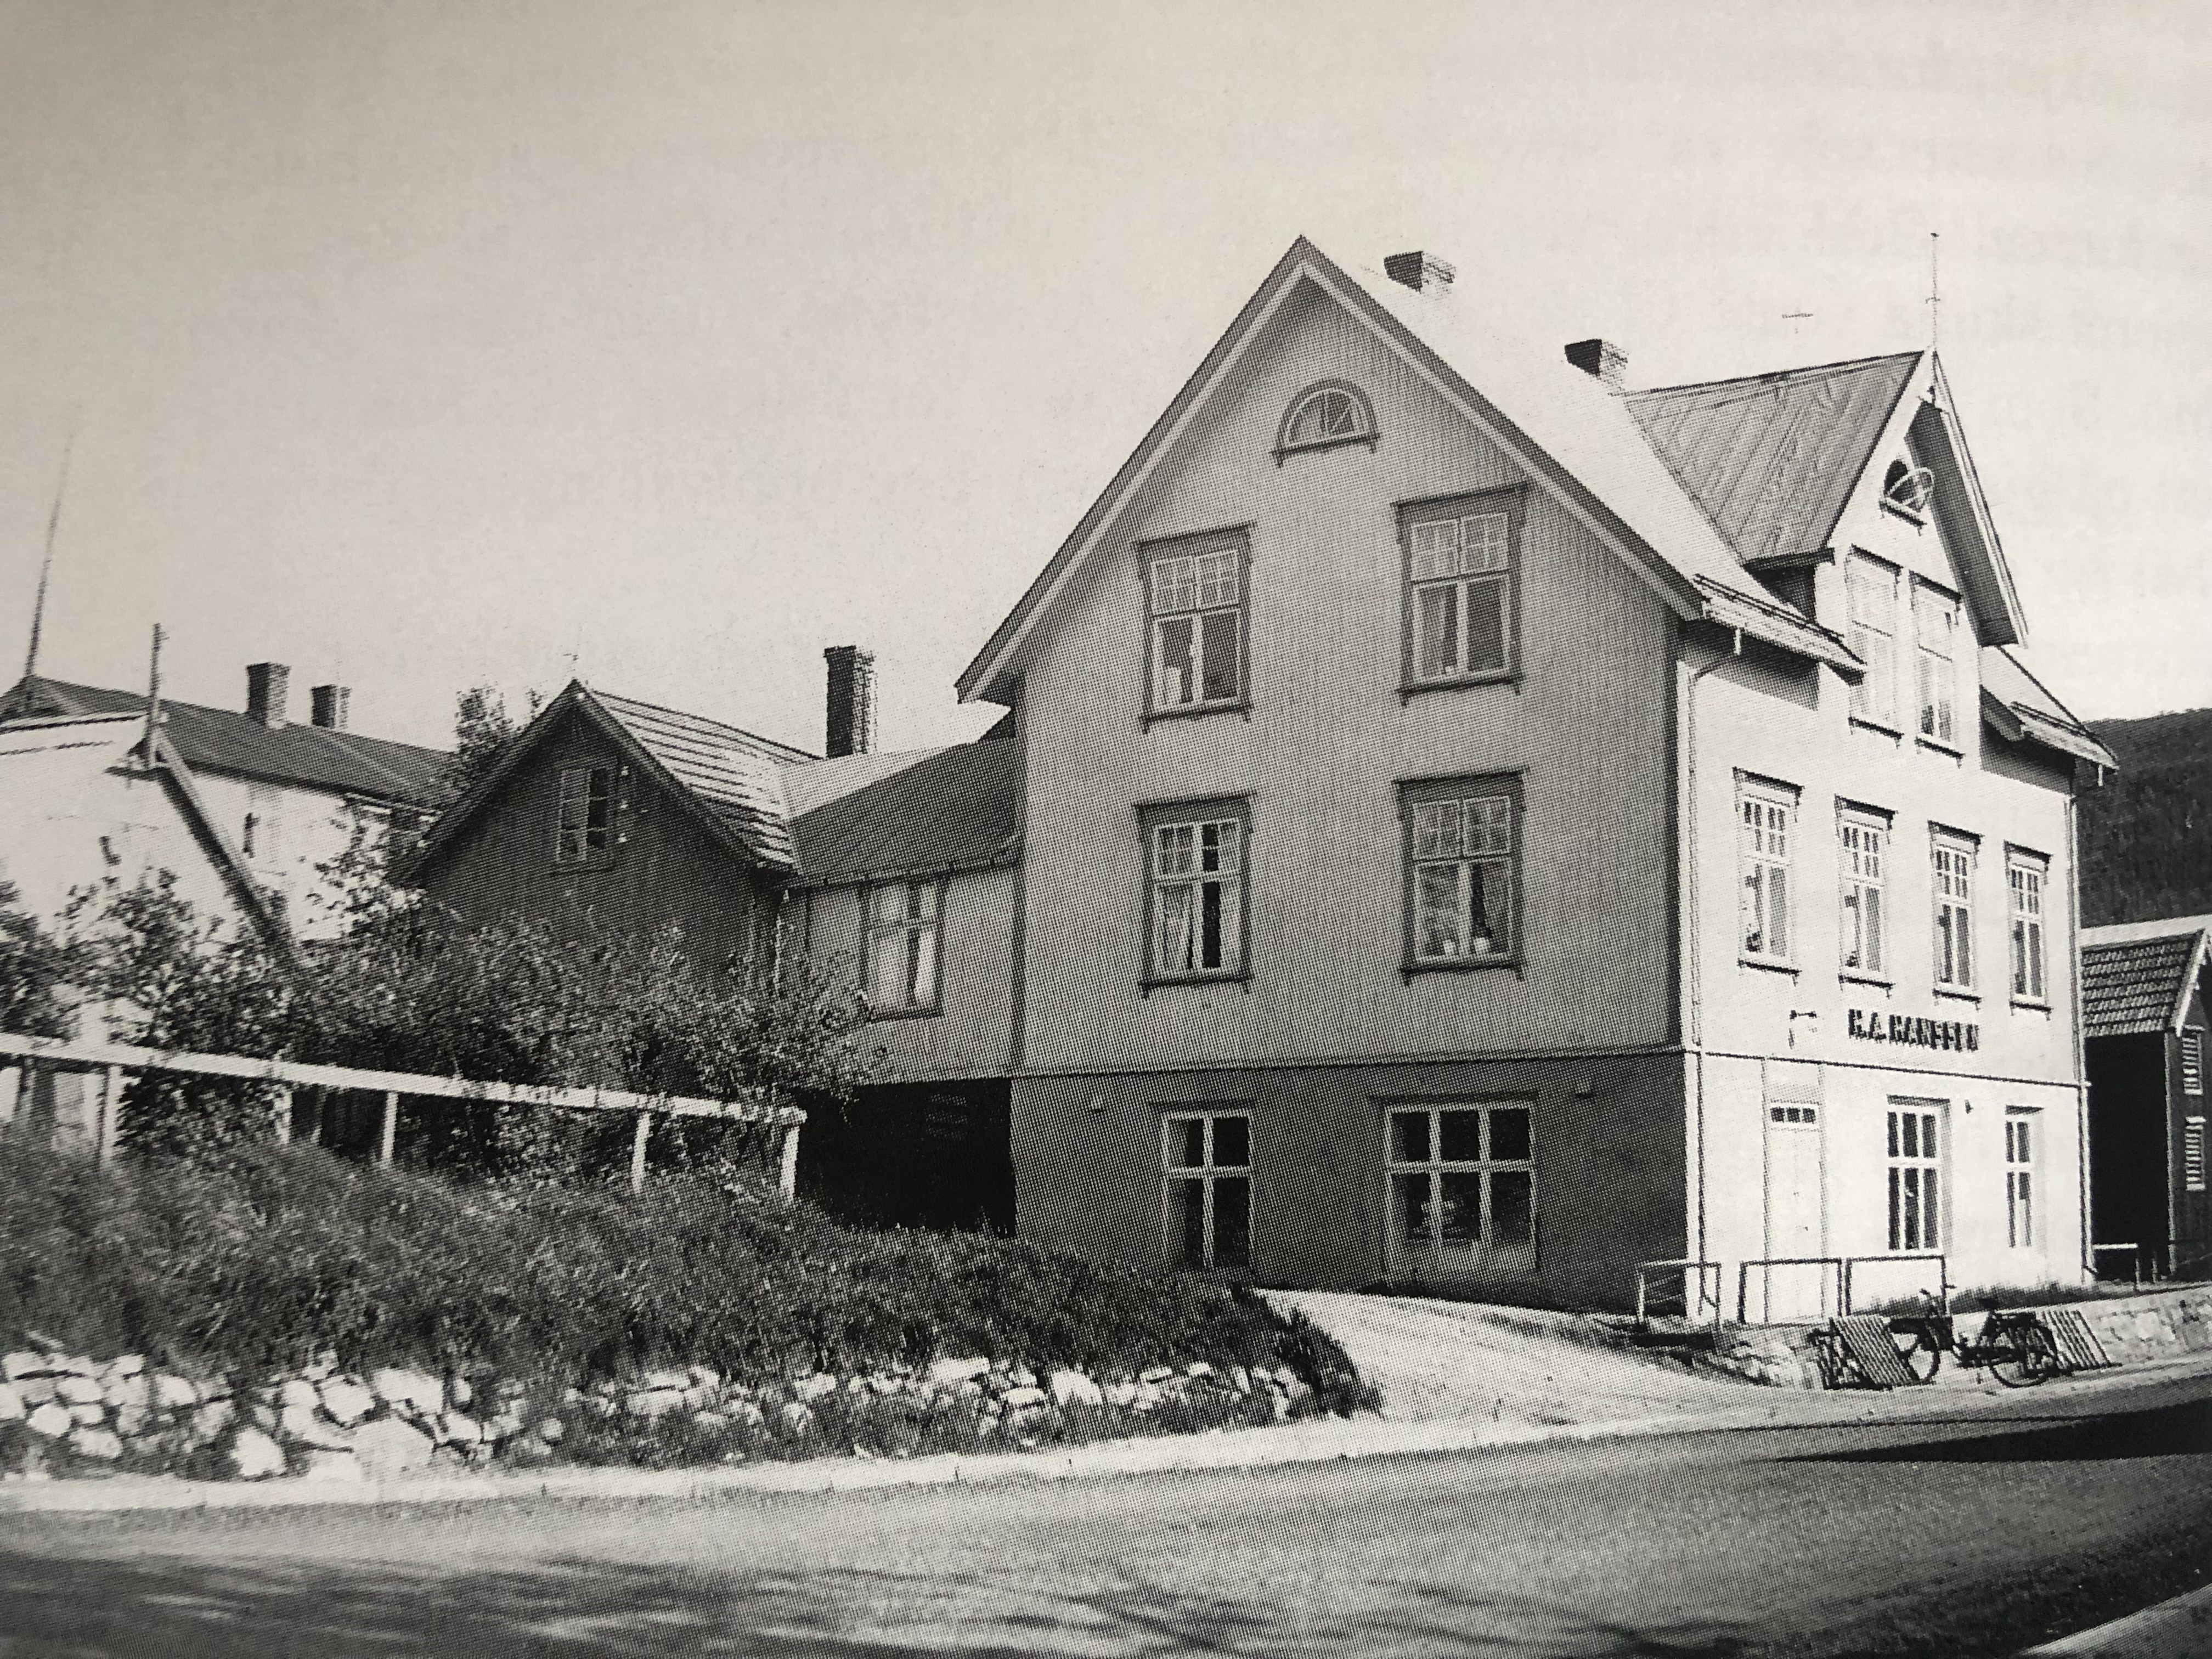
[114, 1062]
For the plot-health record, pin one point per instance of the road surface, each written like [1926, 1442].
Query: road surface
[1945, 1534]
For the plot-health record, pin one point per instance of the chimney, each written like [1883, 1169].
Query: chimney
[1602, 358]
[852, 700]
[1422, 272]
[265, 691]
[327, 706]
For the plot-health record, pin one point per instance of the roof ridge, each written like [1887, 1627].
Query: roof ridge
[1772, 375]
[704, 719]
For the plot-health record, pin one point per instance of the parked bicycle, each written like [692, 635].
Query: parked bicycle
[2017, 1348]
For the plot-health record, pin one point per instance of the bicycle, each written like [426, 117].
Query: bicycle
[2017, 1348]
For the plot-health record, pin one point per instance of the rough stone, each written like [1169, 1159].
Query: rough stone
[459, 1428]
[423, 1394]
[388, 1447]
[747, 1412]
[1240, 1379]
[297, 1394]
[212, 1418]
[326, 1463]
[551, 1430]
[1198, 1368]
[90, 1413]
[254, 1456]
[460, 1391]
[36, 1388]
[346, 1402]
[664, 1379]
[52, 1419]
[1022, 1377]
[131, 1388]
[101, 1443]
[1071, 1388]
[76, 1389]
[13, 1406]
[1155, 1374]
[814, 1387]
[654, 1402]
[945, 1372]
[1021, 1397]
[794, 1419]
[306, 1425]
[20, 1364]
[1123, 1395]
[130, 1420]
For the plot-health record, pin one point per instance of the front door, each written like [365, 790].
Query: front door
[1796, 1221]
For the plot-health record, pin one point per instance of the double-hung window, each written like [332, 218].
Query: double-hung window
[1953, 857]
[1196, 877]
[1195, 593]
[1936, 631]
[1207, 1155]
[1462, 1190]
[1915, 1169]
[1461, 849]
[901, 947]
[1870, 589]
[583, 828]
[1460, 575]
[2020, 1179]
[1863, 847]
[2025, 875]
[1766, 822]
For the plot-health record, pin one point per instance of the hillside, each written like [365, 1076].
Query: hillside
[2146, 835]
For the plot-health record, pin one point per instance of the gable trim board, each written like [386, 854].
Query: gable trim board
[2103, 1000]
[1685, 578]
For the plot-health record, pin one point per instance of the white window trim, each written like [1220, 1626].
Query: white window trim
[1756, 803]
[1931, 1220]
[1361, 430]
[1488, 1255]
[2192, 1153]
[1173, 597]
[1952, 913]
[1873, 699]
[1863, 869]
[2027, 877]
[1233, 877]
[916, 937]
[586, 853]
[1942, 711]
[2021, 1133]
[2192, 1061]
[1498, 574]
[1208, 1176]
[1491, 798]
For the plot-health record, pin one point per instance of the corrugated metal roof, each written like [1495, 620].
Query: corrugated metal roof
[732, 773]
[924, 811]
[225, 740]
[2134, 986]
[1772, 458]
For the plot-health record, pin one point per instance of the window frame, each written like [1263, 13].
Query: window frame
[1957, 843]
[1921, 1228]
[2020, 1136]
[1952, 741]
[1397, 1249]
[1510, 500]
[1151, 819]
[1853, 882]
[1768, 793]
[1883, 675]
[2025, 862]
[931, 927]
[1368, 433]
[1201, 544]
[2192, 1061]
[590, 857]
[2192, 1153]
[1415, 792]
[1207, 1175]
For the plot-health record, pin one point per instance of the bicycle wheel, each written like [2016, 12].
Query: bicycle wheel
[2025, 1361]
[1917, 1349]
[2042, 1354]
[1827, 1360]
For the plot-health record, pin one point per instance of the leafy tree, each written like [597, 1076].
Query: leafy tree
[2146, 835]
[481, 728]
[35, 968]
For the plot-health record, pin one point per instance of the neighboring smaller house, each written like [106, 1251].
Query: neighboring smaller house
[244, 807]
[2143, 987]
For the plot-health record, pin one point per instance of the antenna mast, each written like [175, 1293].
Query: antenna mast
[46, 565]
[1934, 290]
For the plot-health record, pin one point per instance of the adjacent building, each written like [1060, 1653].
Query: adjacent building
[1484, 827]
[2144, 1018]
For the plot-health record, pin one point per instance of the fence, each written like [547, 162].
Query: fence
[112, 1064]
[1699, 1307]
[2156, 1259]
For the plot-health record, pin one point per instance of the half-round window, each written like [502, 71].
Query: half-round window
[1906, 487]
[1326, 415]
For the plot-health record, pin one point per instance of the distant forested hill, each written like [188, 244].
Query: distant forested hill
[2147, 834]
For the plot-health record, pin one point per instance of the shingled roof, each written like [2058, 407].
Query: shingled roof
[1772, 458]
[927, 811]
[224, 740]
[2136, 980]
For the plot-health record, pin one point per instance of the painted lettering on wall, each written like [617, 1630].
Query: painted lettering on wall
[1875, 1027]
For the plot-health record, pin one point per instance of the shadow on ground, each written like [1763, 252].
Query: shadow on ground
[81, 1608]
[2165, 1431]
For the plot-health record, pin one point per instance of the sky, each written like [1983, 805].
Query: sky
[426, 344]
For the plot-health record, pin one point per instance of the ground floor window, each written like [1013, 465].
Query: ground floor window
[1915, 1177]
[1207, 1155]
[1462, 1190]
[2020, 1179]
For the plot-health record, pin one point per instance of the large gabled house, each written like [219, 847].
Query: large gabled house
[1485, 827]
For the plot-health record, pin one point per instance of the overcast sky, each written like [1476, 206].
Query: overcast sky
[418, 345]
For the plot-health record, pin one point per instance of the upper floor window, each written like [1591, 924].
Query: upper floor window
[2025, 875]
[1766, 820]
[1324, 415]
[1953, 860]
[1906, 487]
[901, 947]
[1870, 589]
[1195, 856]
[1195, 593]
[1864, 848]
[1460, 572]
[1460, 856]
[583, 829]
[1935, 630]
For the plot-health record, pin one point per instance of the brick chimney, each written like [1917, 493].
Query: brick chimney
[852, 700]
[265, 682]
[1422, 272]
[1602, 358]
[327, 706]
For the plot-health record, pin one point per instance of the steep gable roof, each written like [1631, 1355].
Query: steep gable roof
[726, 777]
[1772, 458]
[1560, 425]
[2137, 978]
[927, 811]
[223, 740]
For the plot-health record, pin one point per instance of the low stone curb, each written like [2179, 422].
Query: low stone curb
[1311, 1441]
[2178, 1629]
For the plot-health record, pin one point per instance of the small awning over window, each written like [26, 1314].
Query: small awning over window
[1778, 626]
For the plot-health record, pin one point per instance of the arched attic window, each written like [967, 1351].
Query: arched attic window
[1905, 488]
[1326, 414]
